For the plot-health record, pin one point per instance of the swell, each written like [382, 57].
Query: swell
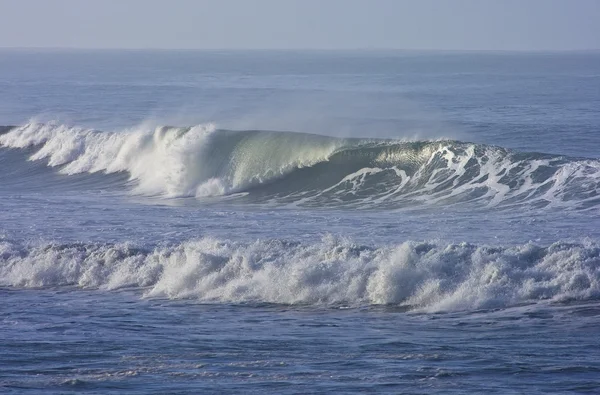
[420, 275]
[310, 170]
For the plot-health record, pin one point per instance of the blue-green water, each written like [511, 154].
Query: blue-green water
[299, 222]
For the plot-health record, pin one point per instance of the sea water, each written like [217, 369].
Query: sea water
[299, 222]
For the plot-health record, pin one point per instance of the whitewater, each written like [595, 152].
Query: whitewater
[304, 169]
[299, 222]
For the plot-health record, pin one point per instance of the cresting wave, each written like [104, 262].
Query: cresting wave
[311, 170]
[331, 272]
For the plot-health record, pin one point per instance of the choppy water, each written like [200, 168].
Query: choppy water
[297, 222]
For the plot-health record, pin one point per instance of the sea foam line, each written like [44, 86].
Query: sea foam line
[423, 275]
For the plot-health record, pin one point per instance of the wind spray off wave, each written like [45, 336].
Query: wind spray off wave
[312, 170]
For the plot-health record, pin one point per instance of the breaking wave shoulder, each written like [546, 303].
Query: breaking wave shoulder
[311, 170]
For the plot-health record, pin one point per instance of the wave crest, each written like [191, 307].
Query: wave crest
[171, 161]
[311, 170]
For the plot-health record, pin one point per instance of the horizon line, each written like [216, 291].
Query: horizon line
[307, 49]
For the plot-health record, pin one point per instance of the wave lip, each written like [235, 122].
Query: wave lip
[425, 276]
[310, 170]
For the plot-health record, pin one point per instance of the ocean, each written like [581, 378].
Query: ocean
[299, 222]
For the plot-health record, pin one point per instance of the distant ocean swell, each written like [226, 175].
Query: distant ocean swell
[331, 272]
[311, 170]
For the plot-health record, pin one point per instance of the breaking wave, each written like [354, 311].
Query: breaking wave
[426, 276]
[311, 170]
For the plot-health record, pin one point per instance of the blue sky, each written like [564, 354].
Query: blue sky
[298, 24]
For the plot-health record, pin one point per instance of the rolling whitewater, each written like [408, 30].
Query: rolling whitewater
[212, 221]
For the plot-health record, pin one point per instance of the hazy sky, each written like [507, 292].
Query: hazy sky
[292, 24]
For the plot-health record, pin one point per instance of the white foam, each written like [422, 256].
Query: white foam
[202, 161]
[172, 162]
[426, 276]
[445, 176]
